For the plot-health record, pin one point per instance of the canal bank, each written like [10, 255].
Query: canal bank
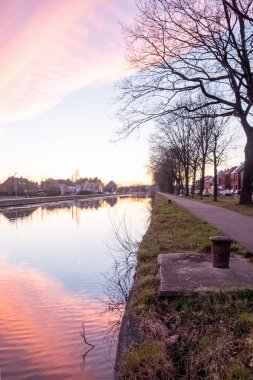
[22, 201]
[200, 336]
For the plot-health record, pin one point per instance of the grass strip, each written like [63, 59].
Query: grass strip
[205, 336]
[229, 203]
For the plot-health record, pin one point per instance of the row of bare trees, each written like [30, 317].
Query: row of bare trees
[182, 147]
[201, 49]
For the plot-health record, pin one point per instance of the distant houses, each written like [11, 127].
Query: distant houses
[14, 186]
[68, 187]
[237, 177]
[18, 186]
[229, 179]
[81, 187]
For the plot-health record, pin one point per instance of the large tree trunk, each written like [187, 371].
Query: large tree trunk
[246, 193]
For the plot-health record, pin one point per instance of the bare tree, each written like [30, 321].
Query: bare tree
[193, 143]
[190, 139]
[176, 135]
[203, 139]
[164, 166]
[221, 141]
[193, 47]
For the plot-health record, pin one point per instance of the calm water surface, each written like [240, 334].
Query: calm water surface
[52, 260]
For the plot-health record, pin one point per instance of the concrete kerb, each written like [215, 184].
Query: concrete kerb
[191, 272]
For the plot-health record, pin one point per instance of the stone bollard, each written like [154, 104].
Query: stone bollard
[220, 248]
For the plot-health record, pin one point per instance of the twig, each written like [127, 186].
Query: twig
[84, 338]
[89, 344]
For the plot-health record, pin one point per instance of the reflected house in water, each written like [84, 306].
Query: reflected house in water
[17, 213]
[13, 214]
[90, 203]
[111, 201]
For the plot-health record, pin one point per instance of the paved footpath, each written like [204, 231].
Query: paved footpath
[238, 227]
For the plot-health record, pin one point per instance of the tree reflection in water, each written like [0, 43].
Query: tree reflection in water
[90, 346]
[119, 278]
[118, 282]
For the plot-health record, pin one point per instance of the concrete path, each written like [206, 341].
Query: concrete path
[238, 227]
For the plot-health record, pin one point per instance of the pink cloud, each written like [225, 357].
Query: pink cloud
[49, 49]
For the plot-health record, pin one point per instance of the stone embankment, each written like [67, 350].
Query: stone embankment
[19, 201]
[22, 201]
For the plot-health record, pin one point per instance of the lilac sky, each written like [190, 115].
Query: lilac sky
[59, 62]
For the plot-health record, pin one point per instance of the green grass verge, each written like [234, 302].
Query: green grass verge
[205, 336]
[229, 203]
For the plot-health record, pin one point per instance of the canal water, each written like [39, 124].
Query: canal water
[52, 286]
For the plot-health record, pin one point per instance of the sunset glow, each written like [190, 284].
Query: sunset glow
[55, 49]
[59, 61]
[37, 331]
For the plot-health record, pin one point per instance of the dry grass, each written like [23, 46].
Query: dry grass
[205, 336]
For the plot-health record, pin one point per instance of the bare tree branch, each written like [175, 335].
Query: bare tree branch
[190, 47]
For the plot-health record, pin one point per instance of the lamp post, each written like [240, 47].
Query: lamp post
[16, 188]
[15, 184]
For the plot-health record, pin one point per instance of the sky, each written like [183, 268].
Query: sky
[59, 62]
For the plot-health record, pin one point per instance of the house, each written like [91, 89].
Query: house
[221, 183]
[208, 184]
[51, 186]
[237, 176]
[67, 189]
[228, 184]
[111, 187]
[221, 180]
[18, 186]
[89, 186]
